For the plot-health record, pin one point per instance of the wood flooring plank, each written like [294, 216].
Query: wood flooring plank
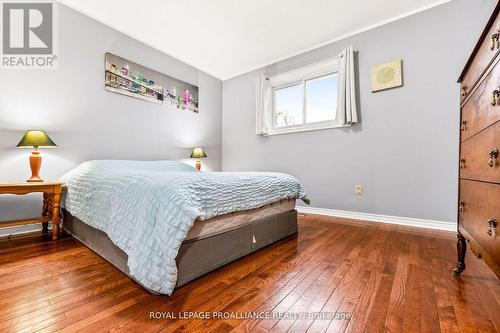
[274, 297]
[347, 292]
[429, 316]
[396, 308]
[446, 312]
[302, 305]
[44, 317]
[41, 302]
[412, 314]
[324, 294]
[370, 308]
[366, 303]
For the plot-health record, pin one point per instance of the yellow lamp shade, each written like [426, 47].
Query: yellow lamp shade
[36, 138]
[198, 153]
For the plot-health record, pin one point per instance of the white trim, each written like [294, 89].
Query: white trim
[304, 128]
[399, 220]
[22, 229]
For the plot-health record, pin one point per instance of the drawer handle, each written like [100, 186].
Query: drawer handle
[462, 163]
[461, 207]
[463, 91]
[493, 157]
[492, 225]
[463, 127]
[494, 96]
[494, 41]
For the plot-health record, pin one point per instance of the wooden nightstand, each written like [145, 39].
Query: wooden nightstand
[51, 203]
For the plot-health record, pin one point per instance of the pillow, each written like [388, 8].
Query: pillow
[148, 166]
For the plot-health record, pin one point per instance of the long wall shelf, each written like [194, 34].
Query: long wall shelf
[119, 74]
[133, 94]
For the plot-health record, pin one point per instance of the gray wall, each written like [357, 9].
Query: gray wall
[88, 122]
[405, 150]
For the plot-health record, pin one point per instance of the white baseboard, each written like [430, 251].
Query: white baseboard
[22, 229]
[407, 221]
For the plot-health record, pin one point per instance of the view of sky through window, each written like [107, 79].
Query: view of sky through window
[321, 98]
[320, 101]
[288, 101]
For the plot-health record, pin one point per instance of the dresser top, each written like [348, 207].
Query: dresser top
[480, 40]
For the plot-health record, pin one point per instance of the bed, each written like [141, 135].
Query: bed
[164, 224]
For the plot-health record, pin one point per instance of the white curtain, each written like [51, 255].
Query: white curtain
[346, 100]
[263, 103]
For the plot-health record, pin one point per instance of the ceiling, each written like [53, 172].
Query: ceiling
[226, 38]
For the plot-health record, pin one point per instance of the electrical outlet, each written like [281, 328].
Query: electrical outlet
[358, 190]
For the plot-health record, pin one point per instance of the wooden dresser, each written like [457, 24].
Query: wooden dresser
[479, 164]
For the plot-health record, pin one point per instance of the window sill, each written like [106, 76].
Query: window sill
[303, 128]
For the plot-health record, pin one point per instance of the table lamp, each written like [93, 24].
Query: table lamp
[35, 139]
[198, 153]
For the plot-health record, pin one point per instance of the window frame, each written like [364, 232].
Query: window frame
[301, 76]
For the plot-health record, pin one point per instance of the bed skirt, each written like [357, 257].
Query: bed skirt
[196, 257]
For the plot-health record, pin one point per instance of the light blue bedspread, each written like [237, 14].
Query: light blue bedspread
[147, 208]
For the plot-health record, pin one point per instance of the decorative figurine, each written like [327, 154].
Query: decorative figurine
[186, 96]
[125, 70]
[159, 95]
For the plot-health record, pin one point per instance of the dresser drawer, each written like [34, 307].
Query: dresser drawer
[483, 108]
[480, 156]
[479, 206]
[484, 55]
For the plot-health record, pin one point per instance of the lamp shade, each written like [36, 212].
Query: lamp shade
[198, 153]
[36, 138]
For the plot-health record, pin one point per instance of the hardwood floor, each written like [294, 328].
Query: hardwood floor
[376, 277]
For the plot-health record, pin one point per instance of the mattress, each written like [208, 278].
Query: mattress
[223, 223]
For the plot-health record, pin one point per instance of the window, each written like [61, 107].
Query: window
[305, 98]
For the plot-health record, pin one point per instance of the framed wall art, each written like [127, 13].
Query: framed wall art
[131, 79]
[386, 76]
